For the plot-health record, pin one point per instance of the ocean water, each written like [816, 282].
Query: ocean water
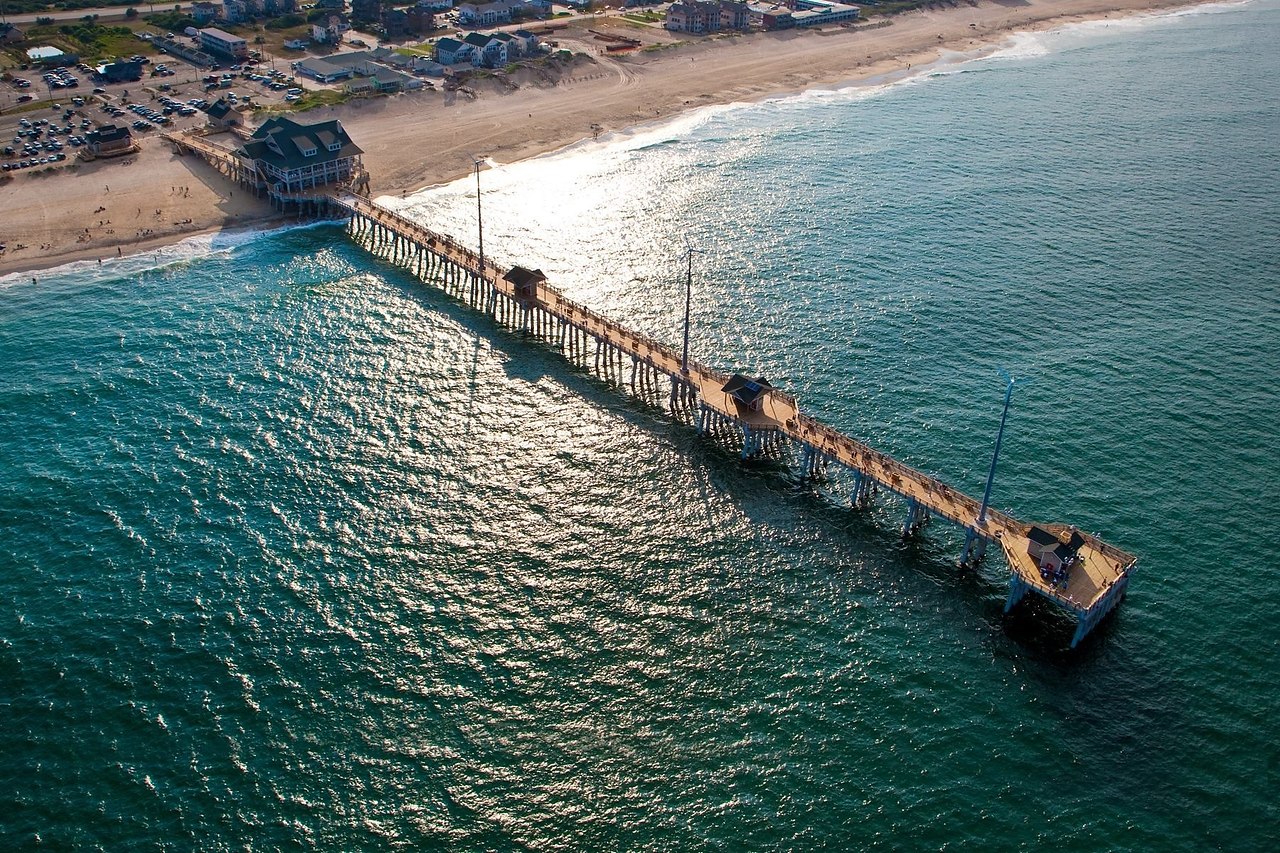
[296, 552]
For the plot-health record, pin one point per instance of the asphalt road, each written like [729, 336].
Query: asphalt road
[110, 13]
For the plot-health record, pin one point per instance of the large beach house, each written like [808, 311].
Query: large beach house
[294, 157]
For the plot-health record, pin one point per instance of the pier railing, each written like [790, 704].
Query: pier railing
[1094, 588]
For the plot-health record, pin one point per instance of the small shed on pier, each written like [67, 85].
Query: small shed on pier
[525, 281]
[1049, 551]
[746, 391]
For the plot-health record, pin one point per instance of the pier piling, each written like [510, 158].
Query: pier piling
[772, 427]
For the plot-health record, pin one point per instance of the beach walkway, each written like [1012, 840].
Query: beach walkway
[1076, 571]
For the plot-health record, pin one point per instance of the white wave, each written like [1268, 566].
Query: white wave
[1029, 45]
[599, 156]
[188, 249]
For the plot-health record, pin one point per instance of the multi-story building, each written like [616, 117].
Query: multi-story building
[707, 16]
[293, 157]
[487, 14]
[221, 43]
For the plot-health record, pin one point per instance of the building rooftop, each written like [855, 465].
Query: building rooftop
[220, 34]
[281, 142]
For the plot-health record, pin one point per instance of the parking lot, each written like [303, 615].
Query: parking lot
[37, 134]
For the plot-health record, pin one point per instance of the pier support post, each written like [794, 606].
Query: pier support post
[806, 462]
[1017, 588]
[1087, 620]
[975, 548]
[704, 415]
[863, 487]
[917, 517]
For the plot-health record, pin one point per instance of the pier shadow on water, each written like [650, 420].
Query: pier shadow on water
[769, 492]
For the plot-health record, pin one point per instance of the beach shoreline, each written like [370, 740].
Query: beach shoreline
[111, 209]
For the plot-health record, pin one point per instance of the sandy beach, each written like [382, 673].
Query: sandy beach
[110, 208]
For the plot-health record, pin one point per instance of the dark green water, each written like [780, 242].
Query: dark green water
[296, 552]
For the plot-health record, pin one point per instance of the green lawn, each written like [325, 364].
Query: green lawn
[90, 42]
[321, 98]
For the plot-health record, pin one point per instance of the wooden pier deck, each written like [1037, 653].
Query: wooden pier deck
[1098, 574]
[224, 160]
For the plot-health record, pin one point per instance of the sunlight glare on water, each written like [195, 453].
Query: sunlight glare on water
[299, 552]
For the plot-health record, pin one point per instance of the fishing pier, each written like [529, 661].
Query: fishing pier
[1076, 571]
[315, 170]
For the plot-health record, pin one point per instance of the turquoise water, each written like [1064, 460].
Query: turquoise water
[297, 552]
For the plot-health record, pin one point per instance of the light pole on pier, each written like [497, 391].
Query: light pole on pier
[688, 304]
[479, 216]
[991, 474]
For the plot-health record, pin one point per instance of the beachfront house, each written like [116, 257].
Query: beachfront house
[707, 16]
[293, 157]
[486, 14]
[526, 43]
[487, 52]
[450, 51]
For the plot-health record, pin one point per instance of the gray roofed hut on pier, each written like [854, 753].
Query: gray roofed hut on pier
[526, 281]
[747, 391]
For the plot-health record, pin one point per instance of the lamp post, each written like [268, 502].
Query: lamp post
[479, 216]
[991, 473]
[688, 304]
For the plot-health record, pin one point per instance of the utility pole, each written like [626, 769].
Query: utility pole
[479, 215]
[991, 473]
[688, 304]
